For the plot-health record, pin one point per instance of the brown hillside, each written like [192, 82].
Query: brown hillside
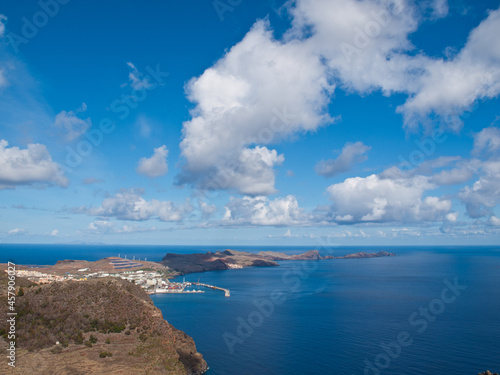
[103, 326]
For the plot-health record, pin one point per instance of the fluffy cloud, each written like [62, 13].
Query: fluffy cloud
[450, 87]
[129, 205]
[484, 194]
[352, 153]
[263, 211]
[2, 25]
[244, 99]
[382, 199]
[28, 166]
[71, 125]
[463, 172]
[452, 217]
[107, 227]
[487, 140]
[366, 44]
[362, 46]
[363, 42]
[156, 165]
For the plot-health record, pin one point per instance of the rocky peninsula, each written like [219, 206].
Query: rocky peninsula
[231, 259]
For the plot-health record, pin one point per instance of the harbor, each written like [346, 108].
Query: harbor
[180, 288]
[226, 291]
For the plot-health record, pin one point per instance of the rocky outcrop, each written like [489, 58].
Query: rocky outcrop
[365, 255]
[100, 326]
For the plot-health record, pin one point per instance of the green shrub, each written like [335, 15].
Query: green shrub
[105, 354]
[78, 338]
[56, 350]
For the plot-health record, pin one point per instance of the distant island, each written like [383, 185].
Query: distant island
[231, 259]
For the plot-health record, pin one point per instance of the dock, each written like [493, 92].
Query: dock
[226, 291]
[174, 291]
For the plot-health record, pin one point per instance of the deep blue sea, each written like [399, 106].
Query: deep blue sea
[429, 310]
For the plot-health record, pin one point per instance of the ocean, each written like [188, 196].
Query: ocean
[428, 310]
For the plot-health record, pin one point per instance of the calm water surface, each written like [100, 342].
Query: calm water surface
[337, 315]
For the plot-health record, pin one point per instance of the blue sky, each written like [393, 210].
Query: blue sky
[250, 122]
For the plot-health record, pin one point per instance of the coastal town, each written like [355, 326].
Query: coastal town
[154, 279]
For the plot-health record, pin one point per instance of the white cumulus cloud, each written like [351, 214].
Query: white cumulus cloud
[450, 87]
[156, 165]
[263, 211]
[360, 46]
[29, 166]
[261, 91]
[107, 227]
[129, 205]
[382, 199]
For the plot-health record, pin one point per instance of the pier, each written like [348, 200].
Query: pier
[226, 291]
